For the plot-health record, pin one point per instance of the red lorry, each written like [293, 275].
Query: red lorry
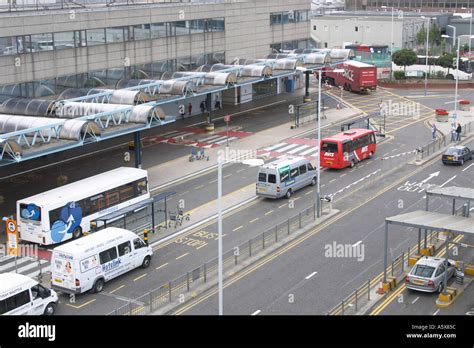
[357, 76]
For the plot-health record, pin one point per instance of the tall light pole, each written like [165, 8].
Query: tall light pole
[470, 34]
[318, 153]
[427, 52]
[391, 35]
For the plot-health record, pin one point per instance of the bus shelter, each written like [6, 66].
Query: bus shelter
[434, 221]
[150, 214]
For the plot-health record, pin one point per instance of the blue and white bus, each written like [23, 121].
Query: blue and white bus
[66, 212]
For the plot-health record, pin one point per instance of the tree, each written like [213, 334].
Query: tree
[435, 34]
[421, 36]
[446, 60]
[404, 57]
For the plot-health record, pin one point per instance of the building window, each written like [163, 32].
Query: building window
[158, 30]
[141, 32]
[95, 37]
[115, 34]
[275, 18]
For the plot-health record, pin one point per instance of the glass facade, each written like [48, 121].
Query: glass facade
[110, 77]
[289, 17]
[14, 45]
[291, 45]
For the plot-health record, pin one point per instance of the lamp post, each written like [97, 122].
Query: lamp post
[427, 52]
[220, 162]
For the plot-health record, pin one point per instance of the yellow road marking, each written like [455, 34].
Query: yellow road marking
[238, 228]
[140, 277]
[82, 305]
[120, 287]
[283, 205]
[163, 265]
[300, 240]
[179, 257]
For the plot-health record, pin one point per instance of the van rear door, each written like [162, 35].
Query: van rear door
[63, 272]
[267, 182]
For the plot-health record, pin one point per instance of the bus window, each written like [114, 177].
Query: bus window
[294, 173]
[303, 169]
[112, 198]
[272, 178]
[284, 175]
[348, 146]
[126, 192]
[141, 187]
[262, 177]
[329, 147]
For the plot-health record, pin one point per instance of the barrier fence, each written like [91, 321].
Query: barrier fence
[361, 296]
[178, 288]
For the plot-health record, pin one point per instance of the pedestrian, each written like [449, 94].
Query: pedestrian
[433, 131]
[218, 103]
[190, 108]
[454, 134]
[458, 132]
[181, 112]
[203, 106]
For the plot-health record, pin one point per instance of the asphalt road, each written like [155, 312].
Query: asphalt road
[264, 290]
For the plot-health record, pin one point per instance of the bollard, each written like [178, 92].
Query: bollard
[145, 236]
[187, 281]
[169, 290]
[368, 289]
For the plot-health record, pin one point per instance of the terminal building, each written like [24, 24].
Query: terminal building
[44, 52]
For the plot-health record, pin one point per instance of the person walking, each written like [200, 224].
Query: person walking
[203, 106]
[181, 112]
[433, 131]
[454, 135]
[218, 103]
[190, 108]
[458, 132]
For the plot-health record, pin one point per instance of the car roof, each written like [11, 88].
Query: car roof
[430, 261]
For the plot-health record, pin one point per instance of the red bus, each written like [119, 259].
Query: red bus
[347, 148]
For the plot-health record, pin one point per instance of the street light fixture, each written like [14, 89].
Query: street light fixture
[427, 51]
[318, 152]
[220, 162]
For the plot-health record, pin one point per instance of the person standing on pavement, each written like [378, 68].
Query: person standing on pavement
[181, 112]
[458, 132]
[433, 131]
[454, 135]
[190, 108]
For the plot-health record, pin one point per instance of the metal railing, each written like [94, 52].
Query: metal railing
[442, 141]
[178, 288]
[361, 296]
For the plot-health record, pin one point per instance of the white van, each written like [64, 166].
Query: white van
[21, 295]
[87, 263]
[284, 176]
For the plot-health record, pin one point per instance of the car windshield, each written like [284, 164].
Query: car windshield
[452, 151]
[423, 271]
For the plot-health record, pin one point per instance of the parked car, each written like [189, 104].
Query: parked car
[457, 154]
[428, 274]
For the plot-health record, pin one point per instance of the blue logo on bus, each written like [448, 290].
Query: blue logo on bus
[70, 217]
[31, 212]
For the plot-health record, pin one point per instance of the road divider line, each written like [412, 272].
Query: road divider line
[449, 180]
[469, 166]
[252, 221]
[416, 299]
[237, 228]
[256, 312]
[199, 187]
[311, 275]
[282, 206]
[309, 192]
[180, 257]
[120, 287]
[269, 212]
[163, 265]
[437, 311]
[140, 277]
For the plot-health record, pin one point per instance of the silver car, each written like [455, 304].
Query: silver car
[428, 274]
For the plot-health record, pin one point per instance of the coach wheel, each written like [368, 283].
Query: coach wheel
[77, 233]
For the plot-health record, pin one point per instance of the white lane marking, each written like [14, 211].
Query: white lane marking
[447, 181]
[286, 148]
[314, 149]
[416, 299]
[302, 147]
[256, 312]
[472, 164]
[356, 244]
[209, 138]
[311, 275]
[215, 141]
[437, 311]
[223, 140]
[273, 147]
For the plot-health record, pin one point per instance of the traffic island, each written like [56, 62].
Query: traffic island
[446, 298]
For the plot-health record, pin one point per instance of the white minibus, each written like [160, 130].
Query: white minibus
[21, 295]
[284, 176]
[87, 263]
[66, 212]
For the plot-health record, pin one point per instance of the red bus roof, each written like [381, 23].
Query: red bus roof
[349, 134]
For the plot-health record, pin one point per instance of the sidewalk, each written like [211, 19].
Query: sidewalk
[463, 117]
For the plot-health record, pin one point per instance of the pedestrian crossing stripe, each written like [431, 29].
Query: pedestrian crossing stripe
[27, 266]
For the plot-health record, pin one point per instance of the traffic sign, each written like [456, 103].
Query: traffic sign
[12, 237]
[11, 226]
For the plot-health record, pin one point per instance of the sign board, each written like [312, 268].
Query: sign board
[12, 237]
[227, 118]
